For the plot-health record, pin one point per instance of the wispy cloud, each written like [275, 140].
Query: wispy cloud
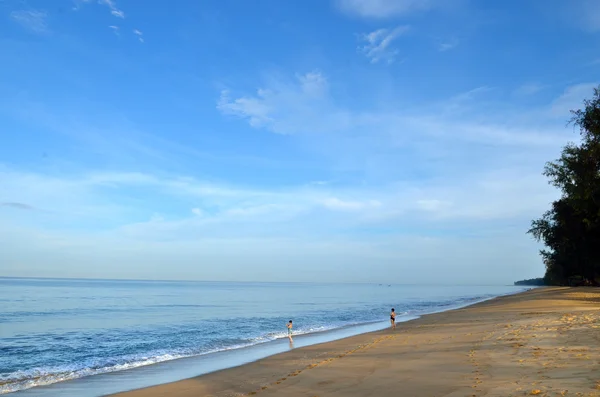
[468, 138]
[393, 224]
[480, 171]
[20, 206]
[335, 203]
[385, 168]
[482, 196]
[571, 98]
[255, 109]
[114, 10]
[285, 107]
[470, 95]
[449, 45]
[529, 89]
[589, 13]
[34, 20]
[382, 8]
[77, 4]
[377, 44]
[139, 35]
[269, 107]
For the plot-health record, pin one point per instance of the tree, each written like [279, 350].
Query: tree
[571, 228]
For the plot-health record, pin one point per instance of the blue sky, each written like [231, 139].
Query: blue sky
[341, 140]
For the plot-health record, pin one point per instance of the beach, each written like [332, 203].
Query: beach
[543, 342]
[88, 338]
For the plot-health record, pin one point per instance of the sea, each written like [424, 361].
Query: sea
[86, 338]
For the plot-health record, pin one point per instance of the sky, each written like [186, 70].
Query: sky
[397, 141]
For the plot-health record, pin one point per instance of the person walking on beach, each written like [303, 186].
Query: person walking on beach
[393, 318]
[289, 327]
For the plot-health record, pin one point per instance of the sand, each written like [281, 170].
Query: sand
[543, 342]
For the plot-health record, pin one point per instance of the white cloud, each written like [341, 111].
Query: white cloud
[377, 47]
[255, 110]
[313, 83]
[457, 169]
[465, 97]
[197, 211]
[34, 20]
[448, 45]
[433, 205]
[382, 8]
[117, 256]
[258, 210]
[111, 4]
[475, 196]
[318, 221]
[139, 35]
[287, 107]
[115, 29]
[78, 3]
[572, 98]
[487, 158]
[335, 203]
[529, 89]
[114, 10]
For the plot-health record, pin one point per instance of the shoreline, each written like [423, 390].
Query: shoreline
[510, 321]
[170, 371]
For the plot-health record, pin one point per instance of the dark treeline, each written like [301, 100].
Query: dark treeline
[570, 229]
[531, 281]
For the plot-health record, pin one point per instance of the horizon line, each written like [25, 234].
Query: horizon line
[246, 281]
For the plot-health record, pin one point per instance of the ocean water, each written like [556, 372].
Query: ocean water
[57, 330]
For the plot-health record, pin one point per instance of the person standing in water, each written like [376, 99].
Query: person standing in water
[289, 327]
[393, 318]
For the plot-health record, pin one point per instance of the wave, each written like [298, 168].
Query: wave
[43, 376]
[22, 380]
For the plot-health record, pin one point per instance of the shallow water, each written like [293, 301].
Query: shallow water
[57, 330]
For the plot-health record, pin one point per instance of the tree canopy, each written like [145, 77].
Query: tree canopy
[570, 229]
[531, 282]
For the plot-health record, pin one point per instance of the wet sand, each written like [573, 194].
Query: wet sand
[543, 342]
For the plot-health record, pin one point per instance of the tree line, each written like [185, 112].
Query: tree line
[531, 282]
[570, 229]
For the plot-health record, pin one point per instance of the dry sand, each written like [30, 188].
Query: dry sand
[544, 342]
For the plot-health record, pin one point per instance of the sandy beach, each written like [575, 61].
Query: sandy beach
[543, 342]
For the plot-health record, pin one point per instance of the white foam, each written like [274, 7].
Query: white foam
[22, 380]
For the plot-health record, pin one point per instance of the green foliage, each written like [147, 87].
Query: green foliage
[532, 282]
[571, 228]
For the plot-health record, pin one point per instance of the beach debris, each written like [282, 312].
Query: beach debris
[535, 392]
